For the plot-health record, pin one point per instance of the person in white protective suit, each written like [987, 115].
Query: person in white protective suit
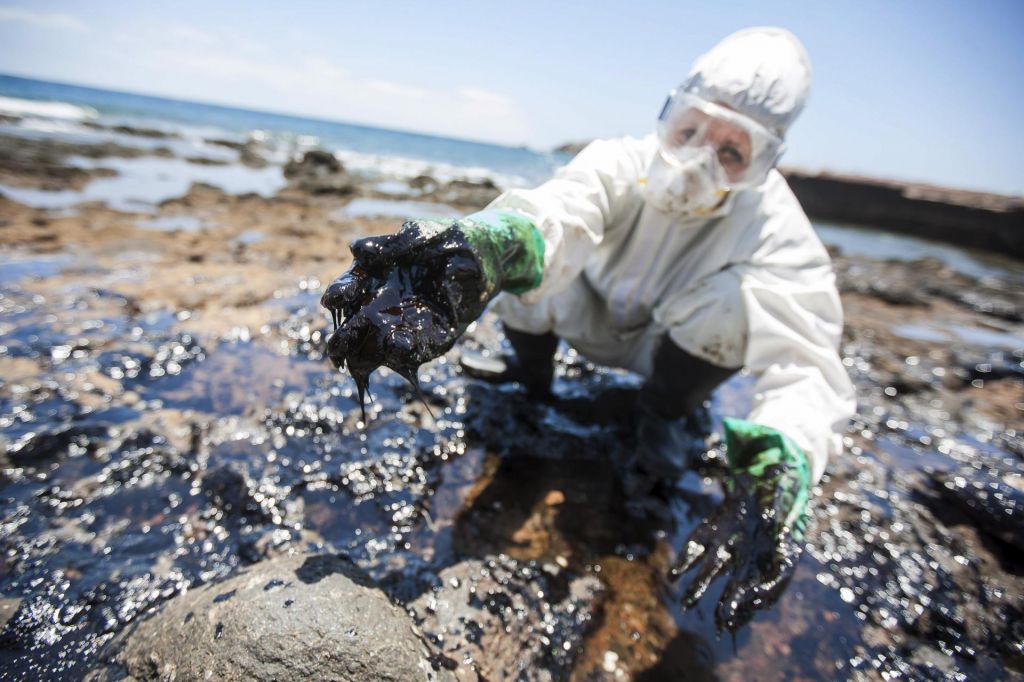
[682, 256]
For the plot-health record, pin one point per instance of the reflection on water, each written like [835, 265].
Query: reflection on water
[870, 243]
[971, 335]
[15, 266]
[142, 183]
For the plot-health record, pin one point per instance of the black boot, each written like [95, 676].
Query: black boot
[671, 426]
[531, 364]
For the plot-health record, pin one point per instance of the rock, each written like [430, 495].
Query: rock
[132, 130]
[248, 151]
[292, 618]
[8, 607]
[501, 619]
[206, 161]
[229, 144]
[573, 148]
[475, 193]
[319, 172]
[249, 155]
[48, 163]
[424, 184]
[989, 497]
[228, 489]
[46, 444]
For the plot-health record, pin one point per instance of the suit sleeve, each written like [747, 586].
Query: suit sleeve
[794, 323]
[572, 211]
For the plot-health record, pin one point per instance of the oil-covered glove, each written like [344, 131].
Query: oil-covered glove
[409, 296]
[757, 533]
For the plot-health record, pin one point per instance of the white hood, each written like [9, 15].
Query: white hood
[763, 73]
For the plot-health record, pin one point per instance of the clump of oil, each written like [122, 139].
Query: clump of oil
[404, 302]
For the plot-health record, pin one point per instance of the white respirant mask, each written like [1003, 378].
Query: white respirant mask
[691, 184]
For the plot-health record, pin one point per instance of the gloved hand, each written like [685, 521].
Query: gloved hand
[758, 530]
[409, 296]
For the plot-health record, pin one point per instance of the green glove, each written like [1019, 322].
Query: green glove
[409, 296]
[758, 531]
[509, 248]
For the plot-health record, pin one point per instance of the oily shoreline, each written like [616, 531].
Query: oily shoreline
[170, 381]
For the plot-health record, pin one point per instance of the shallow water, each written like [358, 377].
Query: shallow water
[15, 266]
[870, 243]
[1009, 340]
[142, 183]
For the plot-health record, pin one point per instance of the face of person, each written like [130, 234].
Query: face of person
[731, 142]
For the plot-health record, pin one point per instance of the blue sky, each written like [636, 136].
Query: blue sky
[929, 91]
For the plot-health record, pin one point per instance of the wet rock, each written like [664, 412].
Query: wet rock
[920, 282]
[132, 130]
[1002, 300]
[44, 162]
[461, 192]
[503, 619]
[248, 151]
[229, 490]
[249, 155]
[475, 193]
[8, 607]
[227, 143]
[424, 183]
[45, 444]
[293, 618]
[573, 148]
[993, 499]
[319, 172]
[206, 161]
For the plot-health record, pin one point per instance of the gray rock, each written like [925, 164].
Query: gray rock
[571, 147]
[319, 172]
[8, 607]
[293, 618]
[475, 193]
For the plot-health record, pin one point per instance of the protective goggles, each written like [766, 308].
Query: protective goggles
[745, 149]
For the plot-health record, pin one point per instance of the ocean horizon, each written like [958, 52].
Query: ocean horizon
[513, 165]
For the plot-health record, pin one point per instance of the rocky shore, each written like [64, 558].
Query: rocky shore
[186, 489]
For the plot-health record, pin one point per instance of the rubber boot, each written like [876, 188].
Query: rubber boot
[531, 363]
[671, 426]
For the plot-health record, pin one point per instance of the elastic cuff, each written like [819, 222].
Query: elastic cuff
[509, 245]
[750, 445]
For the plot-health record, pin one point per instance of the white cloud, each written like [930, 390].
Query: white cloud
[190, 34]
[316, 86]
[397, 89]
[50, 20]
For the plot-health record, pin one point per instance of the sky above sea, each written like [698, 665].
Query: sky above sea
[927, 91]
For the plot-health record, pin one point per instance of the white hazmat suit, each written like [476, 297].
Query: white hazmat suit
[748, 286]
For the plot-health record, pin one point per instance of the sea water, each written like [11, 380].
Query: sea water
[357, 145]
